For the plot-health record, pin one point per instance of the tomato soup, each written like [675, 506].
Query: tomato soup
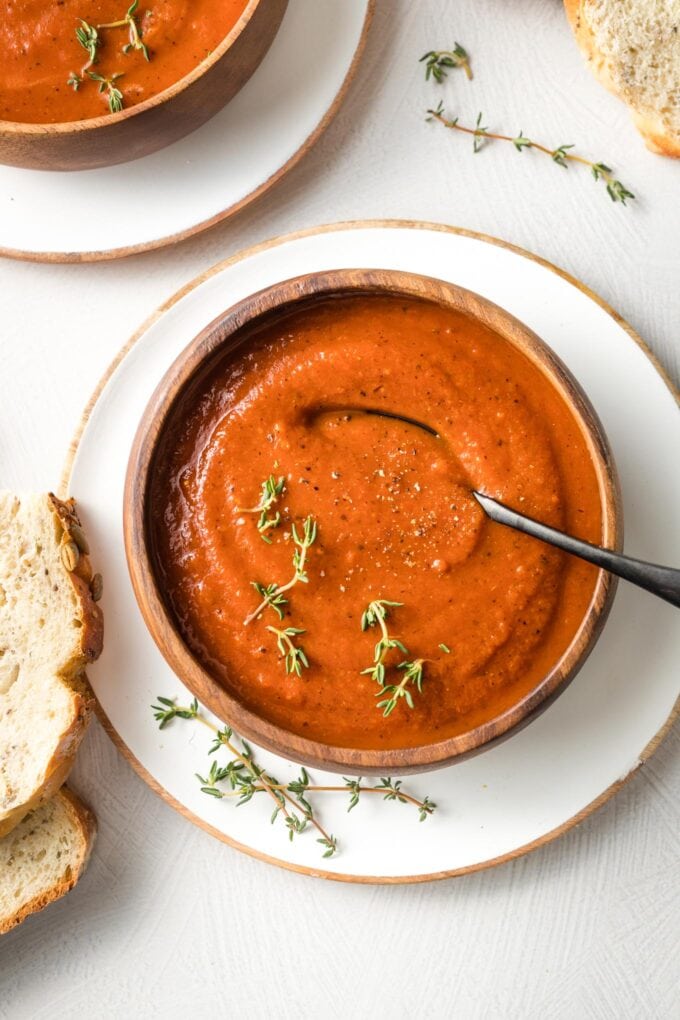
[402, 570]
[46, 73]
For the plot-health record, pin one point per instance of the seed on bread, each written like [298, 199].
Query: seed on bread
[70, 555]
[78, 536]
[97, 587]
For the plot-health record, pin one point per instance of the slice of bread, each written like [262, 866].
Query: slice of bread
[633, 47]
[43, 857]
[50, 628]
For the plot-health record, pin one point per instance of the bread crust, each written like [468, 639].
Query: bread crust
[654, 132]
[84, 820]
[92, 637]
[90, 642]
[63, 759]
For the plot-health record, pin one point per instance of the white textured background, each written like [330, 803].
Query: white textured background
[169, 922]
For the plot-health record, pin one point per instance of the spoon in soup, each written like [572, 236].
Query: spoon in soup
[661, 581]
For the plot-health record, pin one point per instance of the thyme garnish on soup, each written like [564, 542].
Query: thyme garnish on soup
[375, 615]
[240, 778]
[273, 595]
[88, 36]
[272, 489]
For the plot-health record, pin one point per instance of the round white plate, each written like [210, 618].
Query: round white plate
[207, 176]
[545, 778]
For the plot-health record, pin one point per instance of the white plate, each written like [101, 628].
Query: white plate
[207, 176]
[521, 793]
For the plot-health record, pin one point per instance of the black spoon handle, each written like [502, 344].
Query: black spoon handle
[661, 581]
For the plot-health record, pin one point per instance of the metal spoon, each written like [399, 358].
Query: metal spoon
[661, 581]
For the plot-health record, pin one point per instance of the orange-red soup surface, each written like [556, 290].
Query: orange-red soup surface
[39, 52]
[395, 515]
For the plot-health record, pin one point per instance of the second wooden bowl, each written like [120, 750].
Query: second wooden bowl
[158, 121]
[223, 336]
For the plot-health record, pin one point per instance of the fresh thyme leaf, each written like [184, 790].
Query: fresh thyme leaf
[479, 134]
[521, 142]
[559, 155]
[354, 787]
[413, 674]
[301, 547]
[108, 86]
[427, 808]
[293, 655]
[245, 778]
[331, 843]
[166, 710]
[88, 37]
[272, 488]
[562, 155]
[392, 789]
[374, 615]
[272, 594]
[377, 612]
[440, 61]
[129, 21]
[445, 648]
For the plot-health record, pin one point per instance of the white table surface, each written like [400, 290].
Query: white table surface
[168, 921]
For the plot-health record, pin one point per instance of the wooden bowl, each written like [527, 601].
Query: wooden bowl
[159, 120]
[224, 335]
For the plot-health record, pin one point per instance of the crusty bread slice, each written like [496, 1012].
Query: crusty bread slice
[633, 47]
[43, 857]
[50, 628]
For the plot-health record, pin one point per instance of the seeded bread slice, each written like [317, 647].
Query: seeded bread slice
[633, 47]
[43, 857]
[50, 628]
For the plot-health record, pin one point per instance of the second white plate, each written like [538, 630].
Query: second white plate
[545, 778]
[207, 176]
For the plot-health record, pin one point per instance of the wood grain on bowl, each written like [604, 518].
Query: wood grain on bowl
[480, 683]
[157, 108]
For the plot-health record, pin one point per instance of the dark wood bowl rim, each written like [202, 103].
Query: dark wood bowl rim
[208, 347]
[23, 129]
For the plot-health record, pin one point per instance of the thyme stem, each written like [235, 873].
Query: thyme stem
[166, 710]
[271, 490]
[376, 613]
[272, 594]
[561, 155]
[135, 35]
[289, 798]
[294, 656]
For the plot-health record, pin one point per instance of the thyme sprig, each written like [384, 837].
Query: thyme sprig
[89, 38]
[439, 62]
[413, 674]
[375, 615]
[272, 488]
[244, 778]
[561, 155]
[129, 21]
[293, 655]
[108, 87]
[273, 595]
